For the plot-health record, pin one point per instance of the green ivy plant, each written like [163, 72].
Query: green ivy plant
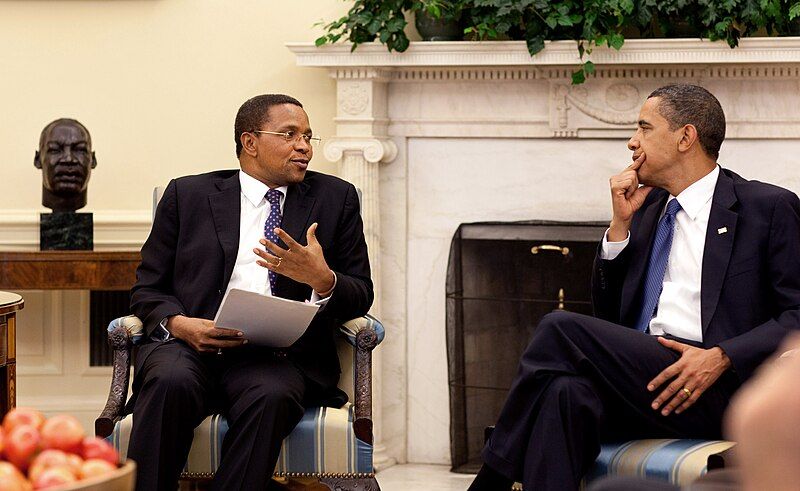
[590, 23]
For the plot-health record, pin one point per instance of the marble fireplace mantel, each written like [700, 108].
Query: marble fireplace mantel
[421, 132]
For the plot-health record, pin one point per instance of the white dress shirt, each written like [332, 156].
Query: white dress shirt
[247, 275]
[678, 311]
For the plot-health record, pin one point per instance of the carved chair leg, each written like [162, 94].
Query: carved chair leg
[344, 484]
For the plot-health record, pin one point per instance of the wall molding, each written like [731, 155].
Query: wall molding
[113, 229]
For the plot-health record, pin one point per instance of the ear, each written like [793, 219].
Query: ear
[249, 144]
[94, 160]
[37, 162]
[688, 137]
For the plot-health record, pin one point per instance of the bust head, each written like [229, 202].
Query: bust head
[66, 159]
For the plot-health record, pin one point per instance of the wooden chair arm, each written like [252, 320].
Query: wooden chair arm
[366, 340]
[121, 342]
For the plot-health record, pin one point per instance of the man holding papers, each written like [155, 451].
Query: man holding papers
[272, 228]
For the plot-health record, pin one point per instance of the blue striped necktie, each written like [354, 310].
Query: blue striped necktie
[273, 221]
[657, 265]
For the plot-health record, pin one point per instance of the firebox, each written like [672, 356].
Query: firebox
[502, 278]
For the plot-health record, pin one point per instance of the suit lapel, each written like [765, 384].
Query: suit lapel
[640, 243]
[296, 212]
[718, 247]
[225, 210]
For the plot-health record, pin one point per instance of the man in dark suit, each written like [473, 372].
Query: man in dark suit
[696, 282]
[205, 241]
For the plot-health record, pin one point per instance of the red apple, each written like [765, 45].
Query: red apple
[62, 432]
[21, 446]
[74, 462]
[99, 448]
[96, 467]
[11, 479]
[22, 416]
[54, 476]
[45, 460]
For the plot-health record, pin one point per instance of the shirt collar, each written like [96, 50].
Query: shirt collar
[695, 197]
[255, 190]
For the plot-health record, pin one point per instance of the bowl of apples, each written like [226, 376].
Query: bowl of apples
[55, 454]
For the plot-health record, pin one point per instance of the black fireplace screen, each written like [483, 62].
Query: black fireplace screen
[502, 278]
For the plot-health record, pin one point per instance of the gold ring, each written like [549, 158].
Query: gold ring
[688, 392]
[279, 262]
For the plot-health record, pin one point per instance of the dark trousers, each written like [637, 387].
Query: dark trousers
[262, 395]
[582, 381]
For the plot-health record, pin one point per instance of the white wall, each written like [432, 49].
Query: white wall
[156, 82]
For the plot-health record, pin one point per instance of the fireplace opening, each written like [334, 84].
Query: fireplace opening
[502, 278]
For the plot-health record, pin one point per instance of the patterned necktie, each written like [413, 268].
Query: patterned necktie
[273, 221]
[657, 265]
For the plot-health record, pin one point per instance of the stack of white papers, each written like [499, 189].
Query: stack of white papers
[265, 320]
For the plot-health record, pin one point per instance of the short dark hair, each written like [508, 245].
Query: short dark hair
[70, 121]
[255, 112]
[683, 104]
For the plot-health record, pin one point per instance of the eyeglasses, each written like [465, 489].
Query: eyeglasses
[293, 136]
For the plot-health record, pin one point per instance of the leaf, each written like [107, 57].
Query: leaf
[535, 44]
[578, 77]
[588, 67]
[320, 41]
[794, 11]
[616, 41]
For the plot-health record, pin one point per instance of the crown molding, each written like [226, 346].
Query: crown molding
[769, 51]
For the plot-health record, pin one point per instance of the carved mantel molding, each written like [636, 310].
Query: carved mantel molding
[556, 53]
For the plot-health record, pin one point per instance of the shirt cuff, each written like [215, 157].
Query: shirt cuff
[610, 250]
[160, 333]
[316, 297]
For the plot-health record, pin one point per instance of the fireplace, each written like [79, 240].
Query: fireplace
[502, 278]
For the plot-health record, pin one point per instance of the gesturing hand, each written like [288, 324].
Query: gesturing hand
[203, 335]
[626, 198]
[303, 264]
[695, 371]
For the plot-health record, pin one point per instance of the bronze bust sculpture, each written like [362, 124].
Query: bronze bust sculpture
[66, 159]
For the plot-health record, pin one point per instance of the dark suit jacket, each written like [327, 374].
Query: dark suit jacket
[750, 290]
[189, 256]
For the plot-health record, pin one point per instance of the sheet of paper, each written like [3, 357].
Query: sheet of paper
[265, 320]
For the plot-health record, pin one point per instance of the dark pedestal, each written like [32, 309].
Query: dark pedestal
[66, 231]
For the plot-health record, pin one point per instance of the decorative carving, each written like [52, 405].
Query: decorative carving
[366, 340]
[579, 98]
[345, 484]
[120, 341]
[354, 99]
[622, 97]
[374, 150]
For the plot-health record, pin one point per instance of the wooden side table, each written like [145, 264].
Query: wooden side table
[10, 303]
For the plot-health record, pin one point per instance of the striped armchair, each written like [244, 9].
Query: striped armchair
[677, 462]
[331, 445]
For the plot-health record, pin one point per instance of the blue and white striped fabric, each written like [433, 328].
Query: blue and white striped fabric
[675, 461]
[322, 443]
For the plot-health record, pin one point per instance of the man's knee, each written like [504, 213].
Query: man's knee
[275, 397]
[559, 320]
[177, 383]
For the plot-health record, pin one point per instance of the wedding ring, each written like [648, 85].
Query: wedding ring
[687, 391]
[279, 262]
[219, 351]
